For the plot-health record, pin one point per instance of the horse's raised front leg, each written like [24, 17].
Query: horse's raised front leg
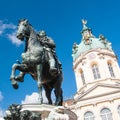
[39, 82]
[12, 77]
[20, 77]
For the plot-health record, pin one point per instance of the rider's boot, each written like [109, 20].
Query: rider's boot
[53, 69]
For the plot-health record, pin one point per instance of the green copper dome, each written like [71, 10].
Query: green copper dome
[89, 42]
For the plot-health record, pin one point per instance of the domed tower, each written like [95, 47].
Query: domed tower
[93, 59]
[97, 75]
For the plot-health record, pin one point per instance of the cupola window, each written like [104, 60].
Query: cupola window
[111, 70]
[82, 76]
[95, 70]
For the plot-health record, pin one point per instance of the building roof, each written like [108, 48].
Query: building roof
[89, 42]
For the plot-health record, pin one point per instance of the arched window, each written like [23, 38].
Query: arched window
[95, 71]
[106, 114]
[111, 70]
[119, 110]
[89, 116]
[82, 76]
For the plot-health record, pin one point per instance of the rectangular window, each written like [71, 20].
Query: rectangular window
[111, 70]
[107, 116]
[83, 78]
[95, 71]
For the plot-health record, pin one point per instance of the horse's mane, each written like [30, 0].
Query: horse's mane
[24, 20]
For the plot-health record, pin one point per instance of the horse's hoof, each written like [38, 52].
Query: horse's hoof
[12, 78]
[19, 79]
[58, 103]
[14, 83]
[15, 86]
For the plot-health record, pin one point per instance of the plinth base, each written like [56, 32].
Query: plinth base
[50, 112]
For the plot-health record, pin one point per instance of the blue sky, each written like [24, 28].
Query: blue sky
[61, 19]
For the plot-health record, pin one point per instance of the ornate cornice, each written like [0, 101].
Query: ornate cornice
[82, 57]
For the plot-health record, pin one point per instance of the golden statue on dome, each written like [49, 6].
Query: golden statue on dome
[84, 22]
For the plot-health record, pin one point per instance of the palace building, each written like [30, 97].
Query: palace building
[97, 75]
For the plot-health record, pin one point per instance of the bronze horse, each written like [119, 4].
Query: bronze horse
[35, 63]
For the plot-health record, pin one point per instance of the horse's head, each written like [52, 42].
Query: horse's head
[23, 29]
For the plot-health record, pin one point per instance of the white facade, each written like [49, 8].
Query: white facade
[97, 75]
[101, 58]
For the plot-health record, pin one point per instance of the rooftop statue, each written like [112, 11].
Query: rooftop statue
[89, 42]
[40, 61]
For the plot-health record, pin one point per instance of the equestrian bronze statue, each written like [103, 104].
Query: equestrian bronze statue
[40, 61]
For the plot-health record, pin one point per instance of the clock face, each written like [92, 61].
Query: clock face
[91, 56]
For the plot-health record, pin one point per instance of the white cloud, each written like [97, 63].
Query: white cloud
[1, 114]
[1, 96]
[1, 32]
[12, 37]
[1, 111]
[9, 30]
[2, 118]
[33, 98]
[5, 26]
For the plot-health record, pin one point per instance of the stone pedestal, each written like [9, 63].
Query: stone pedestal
[50, 112]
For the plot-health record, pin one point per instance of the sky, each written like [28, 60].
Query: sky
[61, 19]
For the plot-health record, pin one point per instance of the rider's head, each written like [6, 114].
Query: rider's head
[42, 33]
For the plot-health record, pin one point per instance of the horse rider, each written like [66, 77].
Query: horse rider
[49, 46]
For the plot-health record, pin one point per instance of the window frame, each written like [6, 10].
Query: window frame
[95, 71]
[111, 70]
[105, 114]
[90, 117]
